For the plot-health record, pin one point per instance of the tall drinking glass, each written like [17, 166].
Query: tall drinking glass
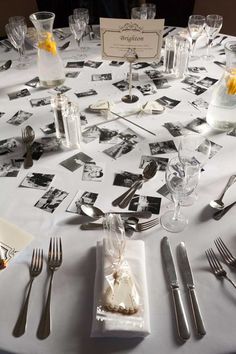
[212, 28]
[77, 29]
[16, 38]
[195, 26]
[82, 15]
[139, 13]
[151, 10]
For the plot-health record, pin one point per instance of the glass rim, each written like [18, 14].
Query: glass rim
[42, 16]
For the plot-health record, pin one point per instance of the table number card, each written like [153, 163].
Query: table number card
[119, 36]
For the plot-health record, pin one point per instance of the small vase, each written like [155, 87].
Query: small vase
[50, 67]
[221, 113]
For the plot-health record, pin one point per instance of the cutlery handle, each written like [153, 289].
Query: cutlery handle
[117, 201]
[231, 181]
[28, 161]
[218, 214]
[125, 202]
[91, 226]
[137, 214]
[181, 320]
[196, 313]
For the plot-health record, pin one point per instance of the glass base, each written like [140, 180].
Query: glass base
[188, 200]
[173, 225]
[130, 99]
[52, 83]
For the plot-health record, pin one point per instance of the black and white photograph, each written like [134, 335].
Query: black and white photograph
[72, 74]
[83, 119]
[126, 179]
[37, 150]
[81, 197]
[51, 200]
[164, 191]
[19, 118]
[215, 148]
[93, 64]
[122, 85]
[116, 63]
[145, 203]
[49, 128]
[108, 136]
[38, 102]
[198, 125]
[90, 134]
[160, 161]
[199, 103]
[90, 92]
[18, 94]
[154, 74]
[10, 168]
[119, 150]
[37, 180]
[129, 136]
[1, 114]
[207, 82]
[232, 132]
[50, 143]
[162, 147]
[33, 83]
[197, 69]
[196, 90]
[146, 89]
[135, 76]
[190, 79]
[74, 64]
[157, 64]
[168, 102]
[101, 77]
[175, 129]
[76, 161]
[93, 172]
[139, 65]
[62, 89]
[161, 83]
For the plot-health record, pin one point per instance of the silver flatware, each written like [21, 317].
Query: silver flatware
[28, 136]
[218, 203]
[54, 262]
[181, 320]
[216, 266]
[35, 269]
[64, 46]
[220, 213]
[97, 213]
[189, 282]
[6, 65]
[225, 252]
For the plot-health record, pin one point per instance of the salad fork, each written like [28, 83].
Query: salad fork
[216, 266]
[54, 262]
[35, 269]
[225, 252]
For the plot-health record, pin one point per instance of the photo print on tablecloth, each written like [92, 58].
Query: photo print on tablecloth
[135, 76]
[33, 83]
[51, 200]
[83, 119]
[195, 89]
[197, 69]
[81, 197]
[62, 89]
[199, 104]
[19, 117]
[146, 89]
[8, 146]
[122, 85]
[44, 145]
[49, 128]
[90, 134]
[164, 191]
[190, 79]
[93, 64]
[161, 83]
[119, 150]
[19, 94]
[1, 114]
[214, 148]
[101, 77]
[108, 136]
[93, 172]
[168, 102]
[126, 179]
[76, 161]
[74, 64]
[175, 129]
[157, 64]
[116, 63]
[38, 102]
[207, 82]
[37, 180]
[198, 125]
[154, 74]
[72, 74]
[128, 135]
[10, 168]
[90, 92]
[232, 132]
[162, 147]
[145, 203]
[139, 65]
[160, 161]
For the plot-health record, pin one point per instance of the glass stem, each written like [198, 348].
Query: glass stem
[130, 80]
[176, 210]
[79, 42]
[193, 46]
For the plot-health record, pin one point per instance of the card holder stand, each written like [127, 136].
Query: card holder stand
[130, 56]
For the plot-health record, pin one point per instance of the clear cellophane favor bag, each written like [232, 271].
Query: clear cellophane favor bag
[121, 298]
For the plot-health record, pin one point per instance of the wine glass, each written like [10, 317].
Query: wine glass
[19, 23]
[77, 29]
[212, 28]
[151, 10]
[16, 37]
[139, 13]
[181, 182]
[195, 27]
[82, 14]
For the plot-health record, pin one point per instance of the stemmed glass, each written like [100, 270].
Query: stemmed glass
[82, 14]
[195, 26]
[181, 183]
[77, 29]
[15, 35]
[139, 13]
[212, 28]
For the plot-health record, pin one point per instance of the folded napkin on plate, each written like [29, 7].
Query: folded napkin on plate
[135, 255]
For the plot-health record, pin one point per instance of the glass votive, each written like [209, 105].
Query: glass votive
[71, 119]
[169, 54]
[59, 103]
[181, 56]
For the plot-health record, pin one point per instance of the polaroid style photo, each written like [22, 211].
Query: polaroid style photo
[1, 114]
[102, 77]
[135, 76]
[197, 69]
[90, 92]
[75, 64]
[145, 203]
[90, 134]
[168, 102]
[196, 90]
[154, 74]
[163, 147]
[126, 179]
[62, 89]
[49, 128]
[51, 200]
[72, 74]
[190, 79]
[140, 65]
[19, 118]
[175, 129]
[10, 168]
[198, 125]
[122, 85]
[200, 103]
[19, 94]
[129, 136]
[37, 180]
[50, 144]
[157, 64]
[161, 83]
[81, 197]
[76, 161]
[33, 83]
[146, 89]
[214, 149]
[160, 161]
[93, 172]
[37, 102]
[8, 145]
[37, 150]
[119, 150]
[232, 132]
[164, 191]
[207, 82]
[83, 119]
[108, 136]
[93, 64]
[116, 63]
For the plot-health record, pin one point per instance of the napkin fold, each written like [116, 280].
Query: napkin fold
[135, 255]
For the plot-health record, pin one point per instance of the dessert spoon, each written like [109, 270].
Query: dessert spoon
[218, 203]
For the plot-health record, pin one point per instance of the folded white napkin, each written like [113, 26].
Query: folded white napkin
[135, 255]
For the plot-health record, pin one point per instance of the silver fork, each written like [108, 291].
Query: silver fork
[54, 262]
[225, 252]
[35, 269]
[216, 267]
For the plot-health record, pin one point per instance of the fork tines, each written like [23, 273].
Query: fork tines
[213, 261]
[37, 260]
[55, 249]
[225, 252]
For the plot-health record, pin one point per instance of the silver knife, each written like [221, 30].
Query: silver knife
[181, 320]
[188, 278]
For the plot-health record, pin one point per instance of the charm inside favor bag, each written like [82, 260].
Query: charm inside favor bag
[102, 107]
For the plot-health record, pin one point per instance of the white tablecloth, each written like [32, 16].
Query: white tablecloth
[72, 295]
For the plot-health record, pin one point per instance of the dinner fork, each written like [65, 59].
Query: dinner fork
[28, 136]
[225, 252]
[216, 266]
[54, 262]
[35, 269]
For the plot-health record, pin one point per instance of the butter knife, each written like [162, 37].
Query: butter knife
[189, 281]
[181, 320]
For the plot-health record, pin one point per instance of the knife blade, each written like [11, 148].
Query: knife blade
[189, 281]
[181, 320]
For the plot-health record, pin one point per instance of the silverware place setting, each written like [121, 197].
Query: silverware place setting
[96, 213]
